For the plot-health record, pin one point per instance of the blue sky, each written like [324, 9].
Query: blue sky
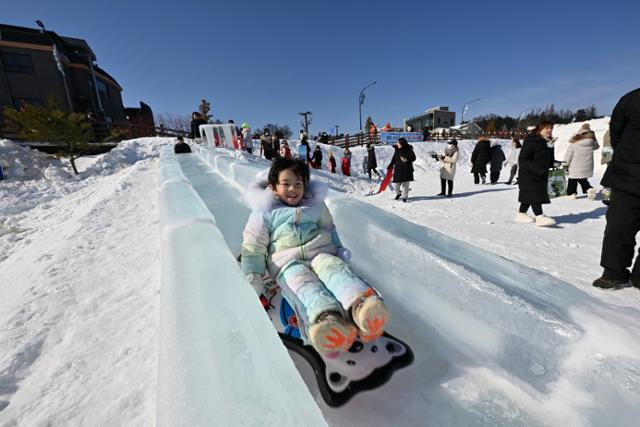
[262, 62]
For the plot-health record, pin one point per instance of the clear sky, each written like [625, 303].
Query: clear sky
[265, 61]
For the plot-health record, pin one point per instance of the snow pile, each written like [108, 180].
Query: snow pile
[23, 163]
[128, 153]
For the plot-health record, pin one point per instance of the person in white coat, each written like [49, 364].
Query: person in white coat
[448, 169]
[247, 137]
[579, 161]
[512, 160]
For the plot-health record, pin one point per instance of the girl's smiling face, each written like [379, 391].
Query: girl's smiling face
[290, 188]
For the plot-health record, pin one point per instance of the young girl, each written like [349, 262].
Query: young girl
[291, 233]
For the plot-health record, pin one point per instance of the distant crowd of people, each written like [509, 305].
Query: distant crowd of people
[529, 164]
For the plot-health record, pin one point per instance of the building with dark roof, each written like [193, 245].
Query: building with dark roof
[36, 65]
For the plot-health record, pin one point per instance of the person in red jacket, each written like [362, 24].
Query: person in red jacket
[346, 162]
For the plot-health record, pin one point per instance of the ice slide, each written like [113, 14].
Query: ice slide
[494, 341]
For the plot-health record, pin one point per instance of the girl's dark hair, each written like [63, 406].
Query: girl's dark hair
[403, 142]
[541, 125]
[517, 142]
[298, 167]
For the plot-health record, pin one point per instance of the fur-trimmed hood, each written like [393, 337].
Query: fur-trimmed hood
[259, 195]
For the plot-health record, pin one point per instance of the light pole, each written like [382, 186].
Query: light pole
[306, 115]
[466, 107]
[337, 131]
[361, 100]
[56, 57]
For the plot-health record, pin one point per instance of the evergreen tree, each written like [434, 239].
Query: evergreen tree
[204, 108]
[70, 131]
[368, 124]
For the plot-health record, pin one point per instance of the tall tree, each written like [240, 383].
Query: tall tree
[204, 108]
[69, 131]
[368, 123]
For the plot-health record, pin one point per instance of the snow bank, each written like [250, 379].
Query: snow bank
[220, 357]
[23, 163]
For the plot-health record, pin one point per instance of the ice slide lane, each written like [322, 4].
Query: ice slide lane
[491, 337]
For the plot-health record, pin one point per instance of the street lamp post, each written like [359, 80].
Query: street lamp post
[361, 101]
[337, 132]
[306, 115]
[56, 57]
[466, 107]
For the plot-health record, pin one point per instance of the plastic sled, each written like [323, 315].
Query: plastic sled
[340, 376]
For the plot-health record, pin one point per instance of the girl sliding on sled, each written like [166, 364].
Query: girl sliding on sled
[290, 233]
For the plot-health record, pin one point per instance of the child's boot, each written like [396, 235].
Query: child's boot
[331, 332]
[370, 316]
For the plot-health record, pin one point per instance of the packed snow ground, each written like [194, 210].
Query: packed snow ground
[79, 261]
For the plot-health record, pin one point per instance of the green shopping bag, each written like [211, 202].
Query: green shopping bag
[557, 183]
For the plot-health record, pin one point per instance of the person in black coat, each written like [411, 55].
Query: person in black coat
[316, 160]
[181, 147]
[480, 156]
[196, 121]
[533, 174]
[497, 157]
[623, 177]
[402, 163]
[372, 163]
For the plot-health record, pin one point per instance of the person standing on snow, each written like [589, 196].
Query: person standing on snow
[247, 137]
[332, 162]
[512, 160]
[534, 163]
[579, 160]
[448, 169]
[265, 145]
[402, 163]
[346, 162]
[480, 156]
[316, 160]
[497, 158]
[291, 233]
[372, 163]
[623, 177]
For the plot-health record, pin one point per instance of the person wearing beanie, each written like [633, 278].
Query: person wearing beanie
[579, 161]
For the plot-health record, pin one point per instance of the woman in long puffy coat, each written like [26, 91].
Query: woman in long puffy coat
[579, 160]
[448, 170]
[535, 158]
[402, 163]
[480, 156]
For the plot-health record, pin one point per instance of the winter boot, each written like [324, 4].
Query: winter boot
[572, 196]
[544, 221]
[370, 315]
[330, 333]
[523, 217]
[397, 196]
[591, 194]
[604, 283]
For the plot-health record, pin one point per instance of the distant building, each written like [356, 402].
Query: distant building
[436, 117]
[29, 74]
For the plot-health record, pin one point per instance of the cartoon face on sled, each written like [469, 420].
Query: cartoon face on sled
[340, 375]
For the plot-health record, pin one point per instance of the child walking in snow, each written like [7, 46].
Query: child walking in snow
[291, 233]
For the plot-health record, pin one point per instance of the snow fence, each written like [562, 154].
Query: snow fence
[221, 361]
